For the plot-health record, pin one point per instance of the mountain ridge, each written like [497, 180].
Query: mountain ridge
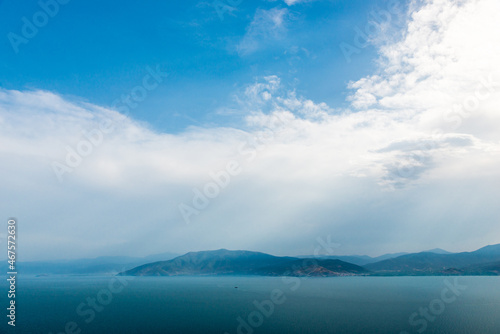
[484, 261]
[427, 262]
[238, 262]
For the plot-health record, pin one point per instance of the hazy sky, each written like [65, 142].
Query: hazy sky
[132, 129]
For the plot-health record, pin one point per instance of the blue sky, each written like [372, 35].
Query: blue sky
[135, 129]
[99, 50]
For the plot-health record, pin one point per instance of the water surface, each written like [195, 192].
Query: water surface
[254, 304]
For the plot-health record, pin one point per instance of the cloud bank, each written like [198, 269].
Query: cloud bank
[413, 164]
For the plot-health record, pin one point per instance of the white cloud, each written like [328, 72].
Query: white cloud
[294, 2]
[267, 26]
[405, 162]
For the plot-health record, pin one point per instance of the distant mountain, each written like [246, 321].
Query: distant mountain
[362, 260]
[427, 263]
[437, 251]
[492, 268]
[484, 261]
[226, 262]
[388, 256]
[158, 257]
[103, 265]
[359, 260]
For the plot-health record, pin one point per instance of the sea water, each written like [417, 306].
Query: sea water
[109, 305]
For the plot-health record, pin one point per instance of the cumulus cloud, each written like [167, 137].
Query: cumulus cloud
[419, 150]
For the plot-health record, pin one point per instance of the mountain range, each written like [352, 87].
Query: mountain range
[103, 265]
[225, 262]
[484, 261]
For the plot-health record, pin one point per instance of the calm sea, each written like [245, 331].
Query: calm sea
[255, 305]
